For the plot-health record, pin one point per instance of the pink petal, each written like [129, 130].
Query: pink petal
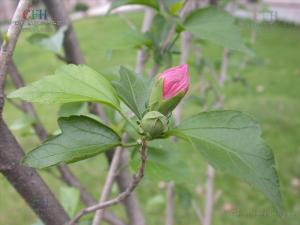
[175, 80]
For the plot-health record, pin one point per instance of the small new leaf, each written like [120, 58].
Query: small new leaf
[81, 138]
[231, 142]
[133, 91]
[52, 43]
[22, 122]
[70, 83]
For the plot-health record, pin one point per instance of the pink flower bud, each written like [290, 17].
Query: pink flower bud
[175, 80]
[168, 89]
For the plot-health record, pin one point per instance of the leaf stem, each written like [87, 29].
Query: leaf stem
[128, 145]
[129, 121]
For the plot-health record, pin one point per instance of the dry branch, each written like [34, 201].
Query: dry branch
[108, 183]
[122, 196]
[170, 204]
[25, 180]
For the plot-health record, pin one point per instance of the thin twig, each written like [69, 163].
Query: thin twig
[68, 177]
[224, 67]
[197, 212]
[9, 44]
[209, 196]
[170, 204]
[108, 183]
[142, 55]
[66, 174]
[133, 184]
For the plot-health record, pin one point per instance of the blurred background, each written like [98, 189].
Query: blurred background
[265, 86]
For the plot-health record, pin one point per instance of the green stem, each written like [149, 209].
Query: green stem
[129, 121]
[128, 145]
[173, 42]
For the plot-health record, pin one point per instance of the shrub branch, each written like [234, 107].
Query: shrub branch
[136, 178]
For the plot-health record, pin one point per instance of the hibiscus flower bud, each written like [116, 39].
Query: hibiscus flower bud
[168, 89]
[154, 124]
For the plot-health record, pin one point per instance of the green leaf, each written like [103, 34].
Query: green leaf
[52, 43]
[217, 26]
[173, 5]
[164, 162]
[231, 142]
[69, 197]
[70, 83]
[160, 29]
[23, 122]
[81, 138]
[133, 91]
[72, 109]
[150, 3]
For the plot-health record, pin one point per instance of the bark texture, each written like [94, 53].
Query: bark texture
[27, 181]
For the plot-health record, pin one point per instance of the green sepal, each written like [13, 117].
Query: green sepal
[157, 102]
[154, 124]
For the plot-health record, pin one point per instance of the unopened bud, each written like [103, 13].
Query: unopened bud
[154, 124]
[169, 88]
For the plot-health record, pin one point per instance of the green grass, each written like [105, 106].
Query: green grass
[277, 108]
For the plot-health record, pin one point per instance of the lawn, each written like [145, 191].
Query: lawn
[272, 96]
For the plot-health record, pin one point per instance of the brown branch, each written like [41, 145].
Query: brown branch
[8, 45]
[87, 199]
[224, 67]
[132, 206]
[66, 174]
[27, 106]
[122, 196]
[74, 55]
[209, 197]
[142, 55]
[108, 183]
[61, 18]
[170, 204]
[25, 180]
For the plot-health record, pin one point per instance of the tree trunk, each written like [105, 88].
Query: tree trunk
[27, 181]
